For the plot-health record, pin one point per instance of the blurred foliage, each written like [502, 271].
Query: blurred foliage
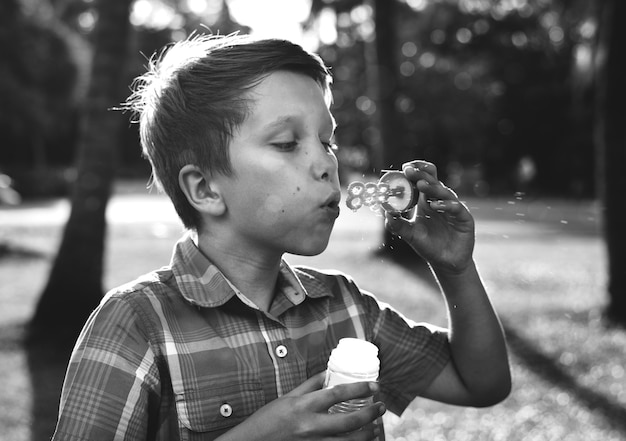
[40, 85]
[486, 90]
[493, 91]
[45, 60]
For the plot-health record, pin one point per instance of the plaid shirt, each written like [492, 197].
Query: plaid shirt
[180, 354]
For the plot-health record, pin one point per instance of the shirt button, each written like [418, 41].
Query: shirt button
[226, 410]
[281, 351]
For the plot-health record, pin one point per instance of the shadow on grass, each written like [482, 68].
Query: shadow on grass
[10, 250]
[46, 367]
[549, 369]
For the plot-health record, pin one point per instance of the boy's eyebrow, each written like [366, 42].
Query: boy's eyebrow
[281, 121]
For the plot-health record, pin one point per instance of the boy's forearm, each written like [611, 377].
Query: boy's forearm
[477, 341]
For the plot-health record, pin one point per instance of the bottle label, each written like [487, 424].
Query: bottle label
[334, 378]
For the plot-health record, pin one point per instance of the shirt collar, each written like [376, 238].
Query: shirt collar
[203, 284]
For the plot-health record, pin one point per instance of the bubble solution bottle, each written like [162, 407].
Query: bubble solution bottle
[352, 361]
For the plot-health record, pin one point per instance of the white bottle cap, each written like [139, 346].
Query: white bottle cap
[353, 360]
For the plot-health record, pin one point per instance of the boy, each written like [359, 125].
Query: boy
[229, 342]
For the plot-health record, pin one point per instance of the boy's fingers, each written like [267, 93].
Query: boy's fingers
[450, 206]
[362, 419]
[316, 382]
[415, 169]
[432, 189]
[342, 392]
[358, 425]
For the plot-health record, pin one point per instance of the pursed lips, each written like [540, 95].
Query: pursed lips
[331, 204]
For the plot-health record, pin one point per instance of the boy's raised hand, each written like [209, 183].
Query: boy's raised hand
[442, 230]
[302, 414]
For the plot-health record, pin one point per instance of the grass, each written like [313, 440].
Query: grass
[543, 262]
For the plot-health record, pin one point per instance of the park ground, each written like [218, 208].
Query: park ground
[543, 261]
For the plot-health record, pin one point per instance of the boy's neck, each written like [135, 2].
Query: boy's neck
[254, 274]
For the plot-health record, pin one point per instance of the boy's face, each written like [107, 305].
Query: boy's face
[283, 195]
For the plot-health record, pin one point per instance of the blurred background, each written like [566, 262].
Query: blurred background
[500, 93]
[520, 103]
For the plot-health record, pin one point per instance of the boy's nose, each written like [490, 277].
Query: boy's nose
[324, 164]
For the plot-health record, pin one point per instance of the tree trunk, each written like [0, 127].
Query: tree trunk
[611, 144]
[393, 155]
[74, 286]
[387, 79]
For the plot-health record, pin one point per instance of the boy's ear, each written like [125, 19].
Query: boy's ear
[196, 186]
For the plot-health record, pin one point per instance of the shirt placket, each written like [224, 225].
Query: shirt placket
[289, 368]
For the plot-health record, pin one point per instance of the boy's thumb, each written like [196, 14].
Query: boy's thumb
[413, 233]
[396, 225]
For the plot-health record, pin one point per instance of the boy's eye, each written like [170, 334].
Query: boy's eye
[285, 146]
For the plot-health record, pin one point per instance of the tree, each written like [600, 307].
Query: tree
[611, 145]
[74, 286]
[392, 149]
[40, 79]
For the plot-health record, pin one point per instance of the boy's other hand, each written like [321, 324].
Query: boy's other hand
[442, 229]
[302, 414]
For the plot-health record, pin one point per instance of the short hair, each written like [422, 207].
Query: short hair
[193, 97]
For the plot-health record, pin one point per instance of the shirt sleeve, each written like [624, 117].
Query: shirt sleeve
[111, 378]
[411, 354]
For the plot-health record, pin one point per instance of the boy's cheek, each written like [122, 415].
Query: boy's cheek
[271, 209]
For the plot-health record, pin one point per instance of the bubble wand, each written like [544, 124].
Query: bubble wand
[393, 193]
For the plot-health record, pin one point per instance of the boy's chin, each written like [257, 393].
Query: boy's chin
[310, 251]
[308, 254]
